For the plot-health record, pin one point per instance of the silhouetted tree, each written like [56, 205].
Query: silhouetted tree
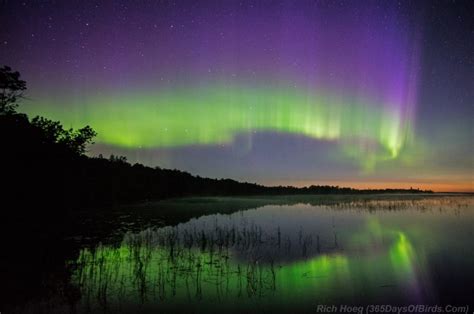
[75, 140]
[118, 159]
[11, 89]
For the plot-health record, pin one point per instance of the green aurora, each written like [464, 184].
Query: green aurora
[118, 274]
[216, 114]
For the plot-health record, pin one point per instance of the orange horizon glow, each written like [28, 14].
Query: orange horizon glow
[459, 187]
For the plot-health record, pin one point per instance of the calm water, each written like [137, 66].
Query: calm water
[288, 258]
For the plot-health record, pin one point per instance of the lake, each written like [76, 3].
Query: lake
[275, 255]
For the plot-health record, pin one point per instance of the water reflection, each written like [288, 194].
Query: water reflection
[278, 257]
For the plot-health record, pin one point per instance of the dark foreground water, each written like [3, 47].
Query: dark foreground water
[283, 258]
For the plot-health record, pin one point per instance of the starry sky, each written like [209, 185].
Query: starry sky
[367, 94]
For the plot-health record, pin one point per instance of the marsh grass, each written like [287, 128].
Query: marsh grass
[233, 261]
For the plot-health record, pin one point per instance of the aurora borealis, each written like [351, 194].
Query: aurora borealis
[362, 94]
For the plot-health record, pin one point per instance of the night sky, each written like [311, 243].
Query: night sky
[354, 93]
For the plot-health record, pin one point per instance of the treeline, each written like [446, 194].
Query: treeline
[117, 180]
[43, 163]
